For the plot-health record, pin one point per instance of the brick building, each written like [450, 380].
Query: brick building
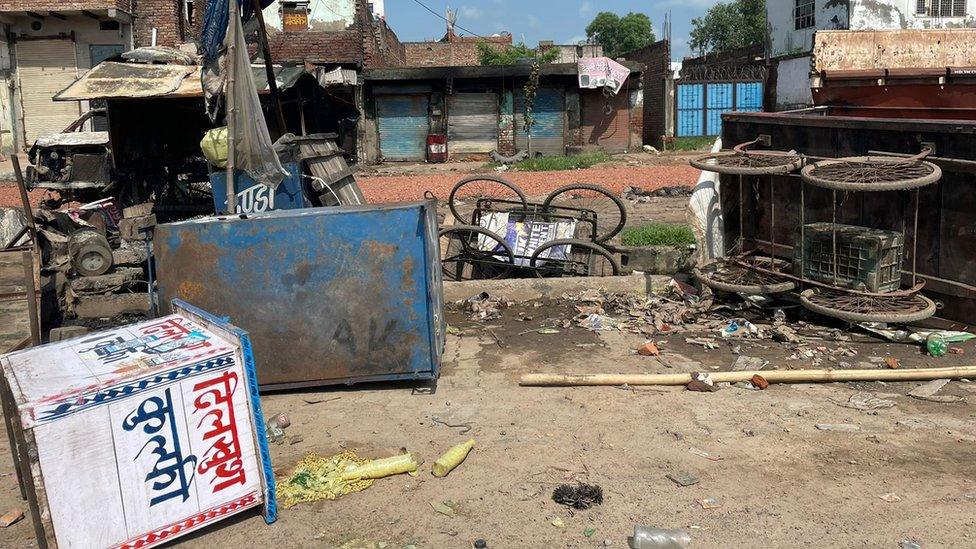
[46, 44]
[452, 50]
[658, 90]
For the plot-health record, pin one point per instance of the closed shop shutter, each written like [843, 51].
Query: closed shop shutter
[549, 113]
[609, 131]
[403, 126]
[44, 68]
[472, 123]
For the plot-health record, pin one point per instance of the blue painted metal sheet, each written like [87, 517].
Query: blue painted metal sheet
[719, 100]
[690, 109]
[748, 96]
[328, 295]
[253, 197]
[403, 126]
[549, 126]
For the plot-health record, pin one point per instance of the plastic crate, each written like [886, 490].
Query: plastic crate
[866, 259]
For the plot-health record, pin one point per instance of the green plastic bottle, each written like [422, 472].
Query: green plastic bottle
[936, 345]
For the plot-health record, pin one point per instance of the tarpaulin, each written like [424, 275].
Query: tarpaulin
[215, 18]
[602, 72]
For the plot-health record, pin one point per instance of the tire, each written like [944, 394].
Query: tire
[497, 179]
[807, 173]
[574, 243]
[601, 190]
[895, 318]
[701, 163]
[505, 266]
[748, 289]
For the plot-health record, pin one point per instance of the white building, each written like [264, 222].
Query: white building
[792, 24]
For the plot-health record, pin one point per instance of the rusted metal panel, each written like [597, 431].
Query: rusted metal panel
[916, 99]
[884, 49]
[329, 295]
[946, 247]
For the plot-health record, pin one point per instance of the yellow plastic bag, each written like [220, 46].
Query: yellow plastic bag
[452, 458]
[214, 146]
[379, 468]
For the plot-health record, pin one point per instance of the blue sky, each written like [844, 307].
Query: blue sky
[561, 20]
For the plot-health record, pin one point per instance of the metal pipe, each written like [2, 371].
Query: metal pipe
[268, 68]
[231, 114]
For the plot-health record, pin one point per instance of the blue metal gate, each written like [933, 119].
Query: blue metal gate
[403, 126]
[549, 122]
[699, 106]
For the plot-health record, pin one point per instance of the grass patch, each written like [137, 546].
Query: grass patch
[693, 143]
[555, 163]
[658, 234]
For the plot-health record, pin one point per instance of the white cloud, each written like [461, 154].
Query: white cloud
[585, 9]
[533, 21]
[470, 13]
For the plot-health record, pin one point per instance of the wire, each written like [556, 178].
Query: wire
[445, 19]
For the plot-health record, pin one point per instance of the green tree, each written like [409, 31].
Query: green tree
[492, 55]
[619, 35]
[729, 25]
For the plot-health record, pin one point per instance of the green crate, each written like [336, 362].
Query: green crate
[867, 259]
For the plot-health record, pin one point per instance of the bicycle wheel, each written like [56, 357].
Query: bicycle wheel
[735, 278]
[473, 253]
[611, 215]
[467, 192]
[861, 308]
[573, 257]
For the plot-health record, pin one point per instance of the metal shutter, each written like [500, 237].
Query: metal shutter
[44, 68]
[609, 131]
[403, 126]
[472, 123]
[549, 113]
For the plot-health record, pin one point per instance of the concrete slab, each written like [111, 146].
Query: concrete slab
[528, 289]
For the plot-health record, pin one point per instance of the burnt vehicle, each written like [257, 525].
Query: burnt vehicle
[75, 163]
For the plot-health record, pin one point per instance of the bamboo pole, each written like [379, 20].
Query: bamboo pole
[231, 114]
[772, 376]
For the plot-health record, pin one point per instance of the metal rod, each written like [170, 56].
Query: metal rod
[742, 214]
[268, 68]
[231, 114]
[772, 225]
[803, 237]
[833, 229]
[914, 241]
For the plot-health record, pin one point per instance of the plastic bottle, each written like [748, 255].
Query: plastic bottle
[936, 345]
[646, 537]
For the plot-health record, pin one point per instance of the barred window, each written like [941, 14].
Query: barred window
[941, 8]
[803, 14]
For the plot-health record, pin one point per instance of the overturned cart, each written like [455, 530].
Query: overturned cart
[329, 295]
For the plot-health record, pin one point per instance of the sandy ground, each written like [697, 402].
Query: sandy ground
[781, 482]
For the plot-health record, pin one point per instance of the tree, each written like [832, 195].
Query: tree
[490, 55]
[619, 35]
[728, 26]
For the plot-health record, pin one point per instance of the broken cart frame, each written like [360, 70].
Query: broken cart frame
[501, 232]
[843, 271]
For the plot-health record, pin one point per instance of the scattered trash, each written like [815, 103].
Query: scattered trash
[748, 363]
[892, 362]
[957, 350]
[890, 497]
[454, 330]
[928, 389]
[379, 468]
[683, 478]
[589, 532]
[840, 427]
[316, 478]
[580, 496]
[276, 426]
[648, 349]
[646, 537]
[740, 327]
[11, 517]
[936, 345]
[709, 503]
[909, 543]
[785, 334]
[598, 323]
[701, 387]
[704, 454]
[705, 342]
[452, 458]
[480, 544]
[547, 331]
[864, 401]
[446, 507]
[558, 523]
[759, 382]
[465, 427]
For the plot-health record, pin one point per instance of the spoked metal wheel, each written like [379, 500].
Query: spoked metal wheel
[727, 276]
[854, 307]
[573, 257]
[611, 215]
[473, 253]
[748, 163]
[467, 192]
[871, 173]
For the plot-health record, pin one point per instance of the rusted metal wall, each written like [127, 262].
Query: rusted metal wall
[946, 249]
[886, 49]
[328, 295]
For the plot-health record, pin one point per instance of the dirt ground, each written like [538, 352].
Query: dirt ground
[780, 481]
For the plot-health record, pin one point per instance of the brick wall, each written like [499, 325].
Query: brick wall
[637, 117]
[166, 16]
[657, 59]
[62, 5]
[381, 47]
[451, 51]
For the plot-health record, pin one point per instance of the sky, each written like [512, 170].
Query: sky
[563, 21]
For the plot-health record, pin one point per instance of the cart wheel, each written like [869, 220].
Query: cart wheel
[871, 173]
[473, 253]
[748, 163]
[734, 278]
[611, 215]
[467, 192]
[573, 257]
[860, 308]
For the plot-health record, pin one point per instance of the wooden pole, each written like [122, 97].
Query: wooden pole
[24, 198]
[231, 115]
[772, 376]
[268, 68]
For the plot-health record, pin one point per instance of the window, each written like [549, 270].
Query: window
[941, 8]
[294, 16]
[188, 11]
[803, 14]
